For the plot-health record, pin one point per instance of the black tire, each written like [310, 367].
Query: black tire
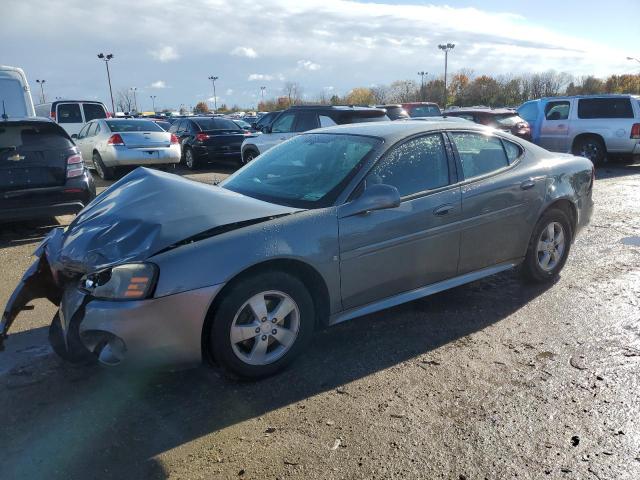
[591, 147]
[531, 269]
[249, 155]
[219, 334]
[191, 159]
[104, 172]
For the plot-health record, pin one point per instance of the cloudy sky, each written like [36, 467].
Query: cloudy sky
[168, 48]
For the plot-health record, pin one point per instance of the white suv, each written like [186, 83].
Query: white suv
[591, 125]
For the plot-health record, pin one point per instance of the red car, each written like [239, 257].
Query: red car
[503, 119]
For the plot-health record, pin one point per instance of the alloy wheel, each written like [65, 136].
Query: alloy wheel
[551, 246]
[265, 328]
[188, 158]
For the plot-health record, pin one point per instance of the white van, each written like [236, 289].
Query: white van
[72, 115]
[15, 95]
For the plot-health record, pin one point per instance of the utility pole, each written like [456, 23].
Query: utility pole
[215, 100]
[41, 82]
[153, 101]
[422, 75]
[135, 99]
[106, 59]
[446, 48]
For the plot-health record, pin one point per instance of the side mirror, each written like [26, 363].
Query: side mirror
[74, 136]
[375, 197]
[266, 129]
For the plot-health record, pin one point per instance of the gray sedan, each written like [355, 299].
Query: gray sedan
[333, 224]
[111, 143]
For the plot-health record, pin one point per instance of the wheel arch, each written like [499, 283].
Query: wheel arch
[569, 208]
[584, 135]
[308, 275]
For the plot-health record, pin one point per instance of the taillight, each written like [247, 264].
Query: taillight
[75, 166]
[174, 139]
[115, 139]
[201, 137]
[109, 115]
[53, 115]
[635, 131]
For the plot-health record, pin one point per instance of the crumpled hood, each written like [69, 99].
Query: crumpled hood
[148, 211]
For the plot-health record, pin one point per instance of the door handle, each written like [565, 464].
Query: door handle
[527, 184]
[561, 125]
[443, 210]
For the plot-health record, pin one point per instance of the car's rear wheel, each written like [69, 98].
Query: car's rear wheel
[591, 147]
[190, 159]
[249, 155]
[262, 324]
[104, 172]
[548, 248]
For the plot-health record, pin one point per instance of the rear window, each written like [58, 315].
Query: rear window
[93, 111]
[23, 137]
[508, 119]
[12, 94]
[69, 113]
[361, 119]
[424, 111]
[123, 126]
[605, 108]
[216, 124]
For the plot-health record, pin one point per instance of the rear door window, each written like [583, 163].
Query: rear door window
[605, 108]
[306, 121]
[479, 154]
[93, 111]
[513, 151]
[83, 132]
[557, 110]
[69, 113]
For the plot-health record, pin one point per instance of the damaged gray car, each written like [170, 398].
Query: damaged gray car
[331, 225]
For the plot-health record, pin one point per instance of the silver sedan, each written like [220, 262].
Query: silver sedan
[107, 144]
[328, 226]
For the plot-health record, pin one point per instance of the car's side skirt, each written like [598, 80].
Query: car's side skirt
[420, 292]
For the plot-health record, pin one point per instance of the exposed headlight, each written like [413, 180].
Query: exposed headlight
[132, 281]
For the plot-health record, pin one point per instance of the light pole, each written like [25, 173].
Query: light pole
[135, 99]
[215, 100]
[446, 47]
[41, 82]
[262, 89]
[153, 101]
[106, 59]
[422, 75]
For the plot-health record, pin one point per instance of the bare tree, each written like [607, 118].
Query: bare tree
[293, 91]
[124, 100]
[380, 94]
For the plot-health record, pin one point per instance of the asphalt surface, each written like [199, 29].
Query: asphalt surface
[495, 379]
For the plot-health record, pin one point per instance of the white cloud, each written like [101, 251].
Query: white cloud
[259, 76]
[229, 91]
[158, 84]
[308, 65]
[244, 52]
[165, 53]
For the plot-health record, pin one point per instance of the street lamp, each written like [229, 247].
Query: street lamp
[135, 100]
[422, 75]
[446, 47]
[215, 100]
[41, 82]
[262, 89]
[153, 101]
[106, 59]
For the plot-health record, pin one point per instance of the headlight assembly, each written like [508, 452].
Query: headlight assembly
[132, 281]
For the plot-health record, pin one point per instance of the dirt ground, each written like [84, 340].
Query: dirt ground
[495, 379]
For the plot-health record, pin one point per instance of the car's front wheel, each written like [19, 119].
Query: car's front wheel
[262, 324]
[548, 247]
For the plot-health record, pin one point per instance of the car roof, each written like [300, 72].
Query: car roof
[337, 108]
[25, 120]
[394, 130]
[70, 101]
[480, 110]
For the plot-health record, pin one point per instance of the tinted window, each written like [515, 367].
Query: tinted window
[216, 124]
[556, 111]
[22, 138]
[69, 113]
[163, 124]
[529, 111]
[306, 121]
[307, 171]
[424, 111]
[513, 150]
[265, 119]
[605, 108]
[479, 154]
[93, 110]
[283, 124]
[123, 126]
[415, 166]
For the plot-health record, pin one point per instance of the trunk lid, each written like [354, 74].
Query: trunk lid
[224, 138]
[33, 154]
[146, 139]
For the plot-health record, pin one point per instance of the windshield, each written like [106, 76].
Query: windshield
[424, 111]
[308, 171]
[12, 98]
[122, 126]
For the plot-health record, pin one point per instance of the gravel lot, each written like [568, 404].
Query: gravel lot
[493, 380]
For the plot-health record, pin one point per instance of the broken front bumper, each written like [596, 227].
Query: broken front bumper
[153, 332]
